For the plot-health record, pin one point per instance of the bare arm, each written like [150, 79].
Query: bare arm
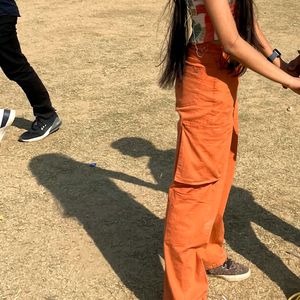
[266, 49]
[234, 45]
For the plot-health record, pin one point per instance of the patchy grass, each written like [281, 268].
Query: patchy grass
[69, 231]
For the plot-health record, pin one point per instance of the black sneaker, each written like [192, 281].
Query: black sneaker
[41, 128]
[7, 116]
[230, 271]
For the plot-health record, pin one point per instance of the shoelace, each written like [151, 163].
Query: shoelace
[227, 264]
[38, 124]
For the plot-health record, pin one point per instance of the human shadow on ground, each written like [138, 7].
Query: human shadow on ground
[160, 161]
[22, 123]
[127, 234]
[130, 236]
[241, 211]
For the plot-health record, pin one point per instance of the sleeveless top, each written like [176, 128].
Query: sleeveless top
[202, 30]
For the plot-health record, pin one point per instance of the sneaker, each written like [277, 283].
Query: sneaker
[41, 128]
[7, 116]
[230, 271]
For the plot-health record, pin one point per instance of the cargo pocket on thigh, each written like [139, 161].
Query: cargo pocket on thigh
[202, 151]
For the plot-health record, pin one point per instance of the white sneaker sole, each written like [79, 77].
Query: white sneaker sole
[233, 278]
[10, 120]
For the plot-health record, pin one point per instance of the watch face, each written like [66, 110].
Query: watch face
[274, 55]
[277, 52]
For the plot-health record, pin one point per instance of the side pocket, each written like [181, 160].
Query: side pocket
[202, 152]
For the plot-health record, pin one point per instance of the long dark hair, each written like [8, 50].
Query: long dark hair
[175, 51]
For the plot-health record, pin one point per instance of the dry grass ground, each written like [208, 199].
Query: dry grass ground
[69, 231]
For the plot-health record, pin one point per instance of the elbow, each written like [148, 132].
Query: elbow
[231, 45]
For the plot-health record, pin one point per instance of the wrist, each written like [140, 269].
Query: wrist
[291, 83]
[274, 56]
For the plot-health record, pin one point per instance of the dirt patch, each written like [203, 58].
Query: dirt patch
[71, 231]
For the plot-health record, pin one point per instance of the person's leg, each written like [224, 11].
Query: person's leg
[190, 214]
[216, 242]
[16, 67]
[229, 270]
[204, 138]
[193, 242]
[194, 230]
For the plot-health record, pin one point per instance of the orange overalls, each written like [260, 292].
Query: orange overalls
[204, 170]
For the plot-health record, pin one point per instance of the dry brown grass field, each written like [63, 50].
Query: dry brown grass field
[70, 231]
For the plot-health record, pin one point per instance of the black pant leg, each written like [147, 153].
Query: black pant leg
[16, 67]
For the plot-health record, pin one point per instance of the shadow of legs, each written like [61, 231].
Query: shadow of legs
[241, 211]
[127, 234]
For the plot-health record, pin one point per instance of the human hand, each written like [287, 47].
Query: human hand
[294, 66]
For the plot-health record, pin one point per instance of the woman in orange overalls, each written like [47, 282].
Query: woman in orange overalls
[203, 61]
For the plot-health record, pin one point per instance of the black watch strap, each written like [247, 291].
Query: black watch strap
[274, 55]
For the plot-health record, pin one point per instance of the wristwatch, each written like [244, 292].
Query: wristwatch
[274, 55]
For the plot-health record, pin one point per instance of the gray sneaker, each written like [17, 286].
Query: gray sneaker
[230, 271]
